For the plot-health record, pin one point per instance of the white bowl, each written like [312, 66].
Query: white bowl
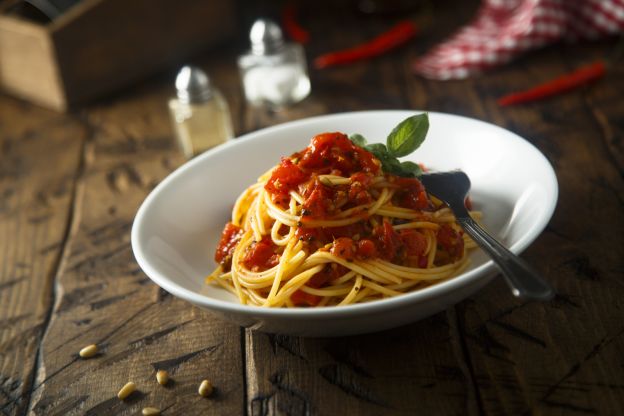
[176, 230]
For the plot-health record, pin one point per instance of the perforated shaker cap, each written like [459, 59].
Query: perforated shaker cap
[193, 85]
[266, 37]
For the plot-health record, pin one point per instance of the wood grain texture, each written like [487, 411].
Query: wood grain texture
[398, 372]
[490, 354]
[40, 156]
[560, 357]
[105, 299]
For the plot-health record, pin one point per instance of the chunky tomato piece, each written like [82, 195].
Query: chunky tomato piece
[285, 177]
[358, 190]
[366, 249]
[318, 200]
[344, 248]
[301, 298]
[334, 151]
[230, 237]
[389, 243]
[261, 255]
[451, 241]
[329, 153]
[415, 243]
[312, 235]
[411, 194]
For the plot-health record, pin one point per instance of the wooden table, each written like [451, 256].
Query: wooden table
[71, 184]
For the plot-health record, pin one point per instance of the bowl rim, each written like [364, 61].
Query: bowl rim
[484, 271]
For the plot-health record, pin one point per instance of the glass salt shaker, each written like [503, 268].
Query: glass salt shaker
[274, 72]
[200, 114]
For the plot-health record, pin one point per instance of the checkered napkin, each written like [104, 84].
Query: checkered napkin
[503, 29]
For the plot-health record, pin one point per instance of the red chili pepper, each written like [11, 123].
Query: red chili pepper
[292, 27]
[566, 82]
[396, 36]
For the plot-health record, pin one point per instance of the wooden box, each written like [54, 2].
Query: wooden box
[99, 46]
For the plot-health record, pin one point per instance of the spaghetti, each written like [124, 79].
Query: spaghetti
[328, 227]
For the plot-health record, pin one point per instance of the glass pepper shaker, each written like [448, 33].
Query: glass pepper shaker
[200, 114]
[274, 72]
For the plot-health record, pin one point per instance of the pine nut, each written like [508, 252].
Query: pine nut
[205, 388]
[88, 351]
[150, 411]
[162, 376]
[126, 390]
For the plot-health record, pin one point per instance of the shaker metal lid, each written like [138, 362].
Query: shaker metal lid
[193, 85]
[266, 37]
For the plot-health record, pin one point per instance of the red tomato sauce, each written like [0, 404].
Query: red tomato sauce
[321, 279]
[451, 242]
[402, 246]
[335, 154]
[261, 255]
[301, 298]
[317, 237]
[329, 153]
[285, 177]
[410, 194]
[230, 237]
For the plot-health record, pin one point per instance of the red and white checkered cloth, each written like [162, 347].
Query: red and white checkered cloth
[503, 29]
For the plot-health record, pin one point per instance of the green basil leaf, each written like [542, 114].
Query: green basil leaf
[408, 135]
[389, 164]
[411, 168]
[392, 165]
[358, 140]
[378, 149]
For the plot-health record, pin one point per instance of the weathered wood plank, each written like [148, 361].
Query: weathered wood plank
[104, 298]
[408, 370]
[39, 158]
[559, 357]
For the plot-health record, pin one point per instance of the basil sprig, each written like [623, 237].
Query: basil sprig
[406, 137]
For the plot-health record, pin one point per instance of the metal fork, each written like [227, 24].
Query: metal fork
[452, 188]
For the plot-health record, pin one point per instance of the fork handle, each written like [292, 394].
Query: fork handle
[522, 279]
